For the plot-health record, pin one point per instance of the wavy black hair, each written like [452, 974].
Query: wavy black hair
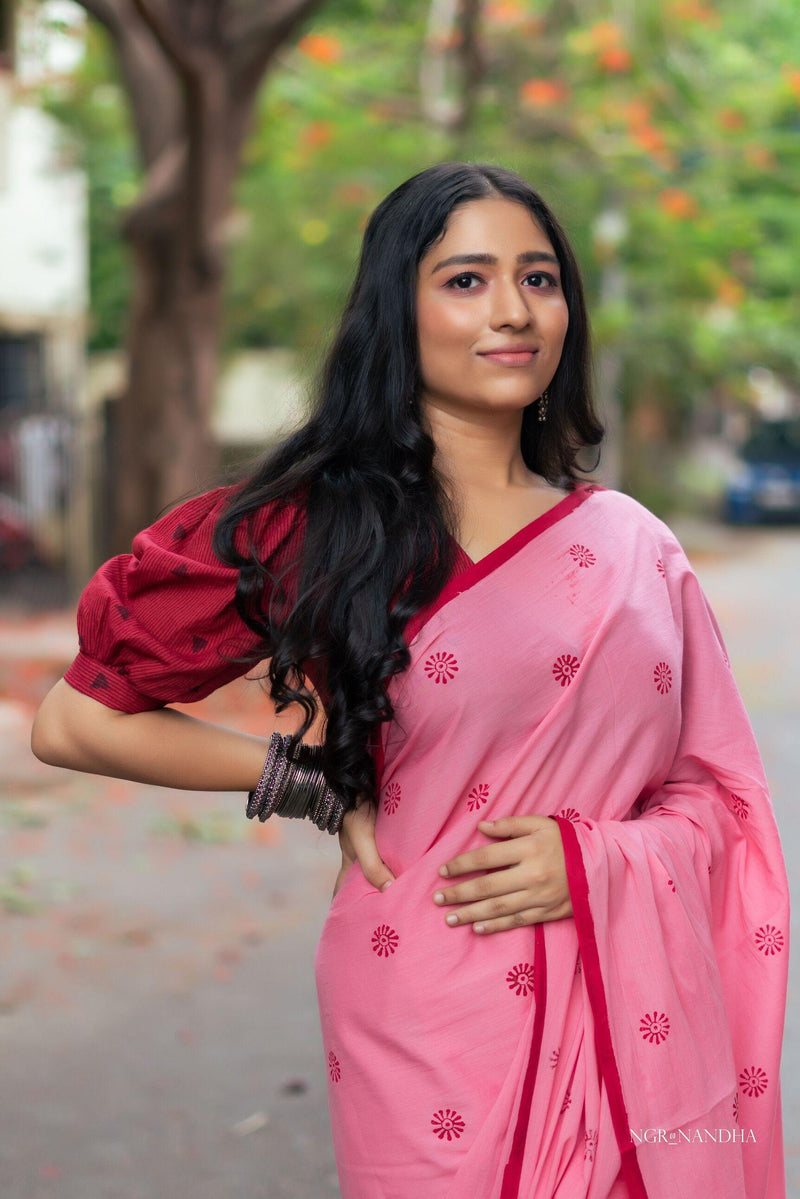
[379, 525]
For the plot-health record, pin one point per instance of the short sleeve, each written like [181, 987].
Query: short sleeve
[156, 626]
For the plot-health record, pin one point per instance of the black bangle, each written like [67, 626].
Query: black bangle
[294, 785]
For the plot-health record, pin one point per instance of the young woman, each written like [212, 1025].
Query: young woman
[589, 1000]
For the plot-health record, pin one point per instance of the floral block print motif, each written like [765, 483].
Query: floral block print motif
[576, 672]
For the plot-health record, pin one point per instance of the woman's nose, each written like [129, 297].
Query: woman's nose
[509, 306]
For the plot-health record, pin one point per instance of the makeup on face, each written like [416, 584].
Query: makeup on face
[491, 312]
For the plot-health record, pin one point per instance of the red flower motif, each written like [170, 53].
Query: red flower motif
[384, 940]
[520, 978]
[736, 1107]
[740, 806]
[660, 568]
[670, 883]
[654, 1028]
[441, 666]
[566, 1103]
[570, 814]
[578, 967]
[753, 1081]
[392, 798]
[554, 1056]
[582, 555]
[447, 1123]
[662, 677]
[334, 1067]
[565, 668]
[590, 1139]
[769, 939]
[478, 796]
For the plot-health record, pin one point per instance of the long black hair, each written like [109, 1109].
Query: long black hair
[379, 526]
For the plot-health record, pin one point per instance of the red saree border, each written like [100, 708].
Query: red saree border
[513, 1167]
[476, 571]
[484, 566]
[587, 942]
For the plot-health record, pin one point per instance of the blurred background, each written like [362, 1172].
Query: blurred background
[183, 189]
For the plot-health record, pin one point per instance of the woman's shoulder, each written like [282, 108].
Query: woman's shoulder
[191, 522]
[632, 517]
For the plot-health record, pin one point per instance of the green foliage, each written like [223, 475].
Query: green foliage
[679, 116]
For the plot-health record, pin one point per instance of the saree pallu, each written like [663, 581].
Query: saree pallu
[632, 1050]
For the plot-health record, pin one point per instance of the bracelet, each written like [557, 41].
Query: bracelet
[295, 786]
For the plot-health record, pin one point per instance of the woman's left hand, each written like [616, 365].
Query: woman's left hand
[528, 883]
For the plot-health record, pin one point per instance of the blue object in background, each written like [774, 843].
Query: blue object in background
[766, 484]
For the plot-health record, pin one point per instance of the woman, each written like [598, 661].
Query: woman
[598, 1009]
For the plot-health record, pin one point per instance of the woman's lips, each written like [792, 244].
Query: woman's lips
[507, 358]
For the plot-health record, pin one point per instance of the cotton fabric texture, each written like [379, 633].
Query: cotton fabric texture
[630, 1051]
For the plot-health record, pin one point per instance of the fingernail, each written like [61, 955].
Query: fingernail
[452, 918]
[387, 884]
[443, 870]
[439, 897]
[478, 927]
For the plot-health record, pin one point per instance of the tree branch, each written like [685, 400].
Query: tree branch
[148, 77]
[107, 12]
[254, 40]
[177, 49]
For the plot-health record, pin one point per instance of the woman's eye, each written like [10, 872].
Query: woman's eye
[457, 278]
[543, 275]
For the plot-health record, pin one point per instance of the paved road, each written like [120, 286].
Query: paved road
[158, 1016]
[755, 592]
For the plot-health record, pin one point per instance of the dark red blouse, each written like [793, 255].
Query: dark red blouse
[154, 624]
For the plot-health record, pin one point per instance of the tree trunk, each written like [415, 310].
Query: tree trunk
[166, 446]
[191, 70]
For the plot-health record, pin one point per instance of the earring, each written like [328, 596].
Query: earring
[543, 398]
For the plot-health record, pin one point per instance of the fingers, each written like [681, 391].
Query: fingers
[499, 853]
[360, 833]
[513, 910]
[518, 837]
[492, 894]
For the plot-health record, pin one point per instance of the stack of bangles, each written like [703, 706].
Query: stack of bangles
[295, 786]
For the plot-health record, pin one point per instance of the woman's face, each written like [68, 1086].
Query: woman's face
[466, 309]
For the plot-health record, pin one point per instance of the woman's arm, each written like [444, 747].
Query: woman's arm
[162, 746]
[170, 749]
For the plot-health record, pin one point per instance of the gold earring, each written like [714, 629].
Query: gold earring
[543, 398]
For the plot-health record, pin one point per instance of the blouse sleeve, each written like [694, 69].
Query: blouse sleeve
[155, 625]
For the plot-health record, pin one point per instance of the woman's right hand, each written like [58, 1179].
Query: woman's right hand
[357, 843]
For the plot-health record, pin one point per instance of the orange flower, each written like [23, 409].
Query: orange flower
[322, 47]
[638, 112]
[615, 58]
[544, 92]
[730, 291]
[756, 155]
[792, 76]
[649, 138]
[677, 203]
[730, 118]
[606, 34]
[504, 12]
[316, 134]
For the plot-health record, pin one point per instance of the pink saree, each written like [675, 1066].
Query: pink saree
[632, 1050]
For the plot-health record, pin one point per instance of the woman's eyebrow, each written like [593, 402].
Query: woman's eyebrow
[490, 260]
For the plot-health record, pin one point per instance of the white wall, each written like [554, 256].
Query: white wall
[43, 222]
